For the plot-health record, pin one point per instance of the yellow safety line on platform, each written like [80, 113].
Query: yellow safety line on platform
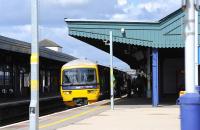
[71, 117]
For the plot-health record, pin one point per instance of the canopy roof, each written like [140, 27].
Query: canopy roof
[165, 33]
[137, 36]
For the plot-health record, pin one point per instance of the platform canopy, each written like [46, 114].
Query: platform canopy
[130, 36]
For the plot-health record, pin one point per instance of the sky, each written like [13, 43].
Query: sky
[15, 20]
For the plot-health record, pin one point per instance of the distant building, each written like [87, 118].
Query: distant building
[50, 45]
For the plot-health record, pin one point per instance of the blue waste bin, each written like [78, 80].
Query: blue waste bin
[190, 111]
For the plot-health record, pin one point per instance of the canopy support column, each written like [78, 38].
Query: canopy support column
[155, 98]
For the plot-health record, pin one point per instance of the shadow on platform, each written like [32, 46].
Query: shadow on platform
[145, 101]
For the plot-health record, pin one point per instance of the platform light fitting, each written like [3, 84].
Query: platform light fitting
[106, 42]
[184, 4]
[122, 30]
[196, 2]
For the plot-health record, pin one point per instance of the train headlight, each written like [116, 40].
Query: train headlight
[67, 92]
[91, 91]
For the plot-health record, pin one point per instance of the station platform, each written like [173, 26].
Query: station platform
[129, 114]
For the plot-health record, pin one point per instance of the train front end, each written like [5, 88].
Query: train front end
[79, 85]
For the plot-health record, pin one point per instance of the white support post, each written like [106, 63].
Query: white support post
[34, 104]
[111, 73]
[190, 47]
[196, 49]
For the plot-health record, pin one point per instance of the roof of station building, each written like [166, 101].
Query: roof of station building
[14, 45]
[48, 43]
[165, 33]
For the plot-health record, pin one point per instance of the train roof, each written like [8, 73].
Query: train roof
[80, 62]
[13, 45]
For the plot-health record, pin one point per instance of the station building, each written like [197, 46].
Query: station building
[15, 70]
[15, 78]
[157, 48]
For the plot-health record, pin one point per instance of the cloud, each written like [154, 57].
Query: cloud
[67, 2]
[146, 10]
[150, 6]
[15, 23]
[121, 2]
[19, 32]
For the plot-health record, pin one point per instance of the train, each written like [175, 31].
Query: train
[84, 82]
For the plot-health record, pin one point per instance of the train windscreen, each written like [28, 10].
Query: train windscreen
[79, 76]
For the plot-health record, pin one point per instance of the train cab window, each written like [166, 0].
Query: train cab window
[87, 75]
[79, 76]
[70, 76]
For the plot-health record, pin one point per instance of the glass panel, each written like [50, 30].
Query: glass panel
[87, 76]
[70, 76]
[26, 80]
[21, 80]
[7, 78]
[79, 76]
[49, 79]
[1, 77]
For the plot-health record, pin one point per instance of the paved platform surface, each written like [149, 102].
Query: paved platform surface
[63, 118]
[132, 117]
[129, 114]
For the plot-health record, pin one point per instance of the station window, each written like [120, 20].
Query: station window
[49, 79]
[7, 75]
[42, 76]
[26, 80]
[1, 77]
[45, 81]
[21, 76]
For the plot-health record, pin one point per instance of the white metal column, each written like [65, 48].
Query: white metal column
[190, 47]
[111, 72]
[34, 104]
[196, 48]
